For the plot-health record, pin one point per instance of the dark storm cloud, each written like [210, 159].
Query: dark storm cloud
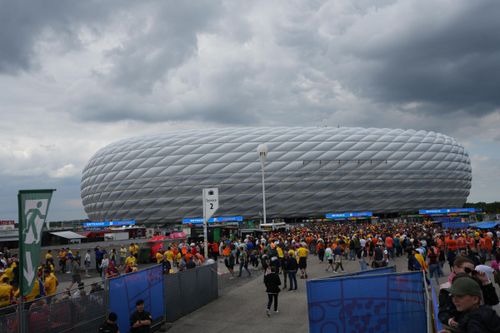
[449, 62]
[160, 41]
[24, 22]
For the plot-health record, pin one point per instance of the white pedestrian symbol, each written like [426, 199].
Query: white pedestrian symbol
[33, 230]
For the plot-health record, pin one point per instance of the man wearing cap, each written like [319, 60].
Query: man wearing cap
[474, 317]
[448, 312]
[110, 325]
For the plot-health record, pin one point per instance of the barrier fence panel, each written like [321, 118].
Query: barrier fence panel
[189, 290]
[66, 314]
[374, 271]
[374, 303]
[9, 317]
[126, 290]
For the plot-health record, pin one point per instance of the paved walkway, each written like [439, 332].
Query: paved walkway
[242, 307]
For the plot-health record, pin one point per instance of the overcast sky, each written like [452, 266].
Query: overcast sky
[78, 75]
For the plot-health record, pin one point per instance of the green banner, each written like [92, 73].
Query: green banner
[33, 208]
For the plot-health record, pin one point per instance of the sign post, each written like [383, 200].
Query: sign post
[210, 206]
[33, 208]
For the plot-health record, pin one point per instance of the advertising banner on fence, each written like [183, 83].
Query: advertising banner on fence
[33, 208]
[391, 302]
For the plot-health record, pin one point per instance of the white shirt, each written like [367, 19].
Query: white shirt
[362, 242]
[328, 252]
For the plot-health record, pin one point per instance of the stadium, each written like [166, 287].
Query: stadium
[308, 172]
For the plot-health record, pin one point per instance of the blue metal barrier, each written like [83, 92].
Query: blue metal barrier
[124, 291]
[368, 303]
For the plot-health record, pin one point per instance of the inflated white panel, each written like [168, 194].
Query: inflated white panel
[309, 172]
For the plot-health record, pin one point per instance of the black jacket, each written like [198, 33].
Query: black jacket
[272, 282]
[291, 264]
[482, 320]
[448, 310]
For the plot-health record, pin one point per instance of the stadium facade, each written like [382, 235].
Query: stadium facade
[309, 172]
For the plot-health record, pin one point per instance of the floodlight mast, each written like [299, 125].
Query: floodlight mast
[263, 151]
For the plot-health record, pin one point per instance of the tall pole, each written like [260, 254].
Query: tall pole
[262, 151]
[263, 193]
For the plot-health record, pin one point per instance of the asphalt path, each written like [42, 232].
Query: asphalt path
[242, 304]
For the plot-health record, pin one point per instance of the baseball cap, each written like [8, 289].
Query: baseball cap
[465, 286]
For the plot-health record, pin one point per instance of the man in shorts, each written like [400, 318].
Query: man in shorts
[302, 253]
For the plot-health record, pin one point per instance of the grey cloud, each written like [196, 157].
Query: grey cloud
[160, 41]
[23, 23]
[452, 63]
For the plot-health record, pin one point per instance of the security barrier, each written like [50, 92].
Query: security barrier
[189, 290]
[391, 302]
[81, 312]
[126, 290]
[166, 297]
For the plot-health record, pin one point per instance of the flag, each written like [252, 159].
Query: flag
[33, 208]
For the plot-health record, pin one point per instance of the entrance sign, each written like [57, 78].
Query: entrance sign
[220, 219]
[33, 208]
[348, 215]
[103, 224]
[446, 211]
[210, 206]
[210, 202]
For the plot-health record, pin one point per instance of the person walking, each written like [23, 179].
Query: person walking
[140, 321]
[302, 253]
[338, 259]
[243, 259]
[272, 282]
[75, 273]
[86, 263]
[291, 269]
[329, 257]
[104, 266]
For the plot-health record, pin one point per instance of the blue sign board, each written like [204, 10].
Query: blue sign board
[102, 224]
[446, 211]
[348, 215]
[199, 220]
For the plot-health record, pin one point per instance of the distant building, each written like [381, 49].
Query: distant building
[309, 172]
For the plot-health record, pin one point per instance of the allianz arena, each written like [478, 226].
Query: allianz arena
[309, 172]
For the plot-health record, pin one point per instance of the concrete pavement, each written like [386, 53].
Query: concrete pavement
[242, 307]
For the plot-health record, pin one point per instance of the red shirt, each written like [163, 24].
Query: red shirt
[389, 242]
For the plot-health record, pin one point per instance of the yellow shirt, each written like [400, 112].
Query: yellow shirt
[130, 261]
[34, 292]
[48, 256]
[9, 272]
[5, 294]
[280, 252]
[169, 255]
[50, 284]
[159, 257]
[136, 249]
[302, 252]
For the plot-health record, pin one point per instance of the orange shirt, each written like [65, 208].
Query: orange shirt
[452, 244]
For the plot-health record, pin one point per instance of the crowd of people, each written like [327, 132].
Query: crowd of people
[472, 255]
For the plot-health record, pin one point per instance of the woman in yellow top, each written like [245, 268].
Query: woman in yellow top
[130, 263]
[159, 257]
[50, 283]
[6, 292]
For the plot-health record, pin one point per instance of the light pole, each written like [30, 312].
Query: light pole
[262, 151]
